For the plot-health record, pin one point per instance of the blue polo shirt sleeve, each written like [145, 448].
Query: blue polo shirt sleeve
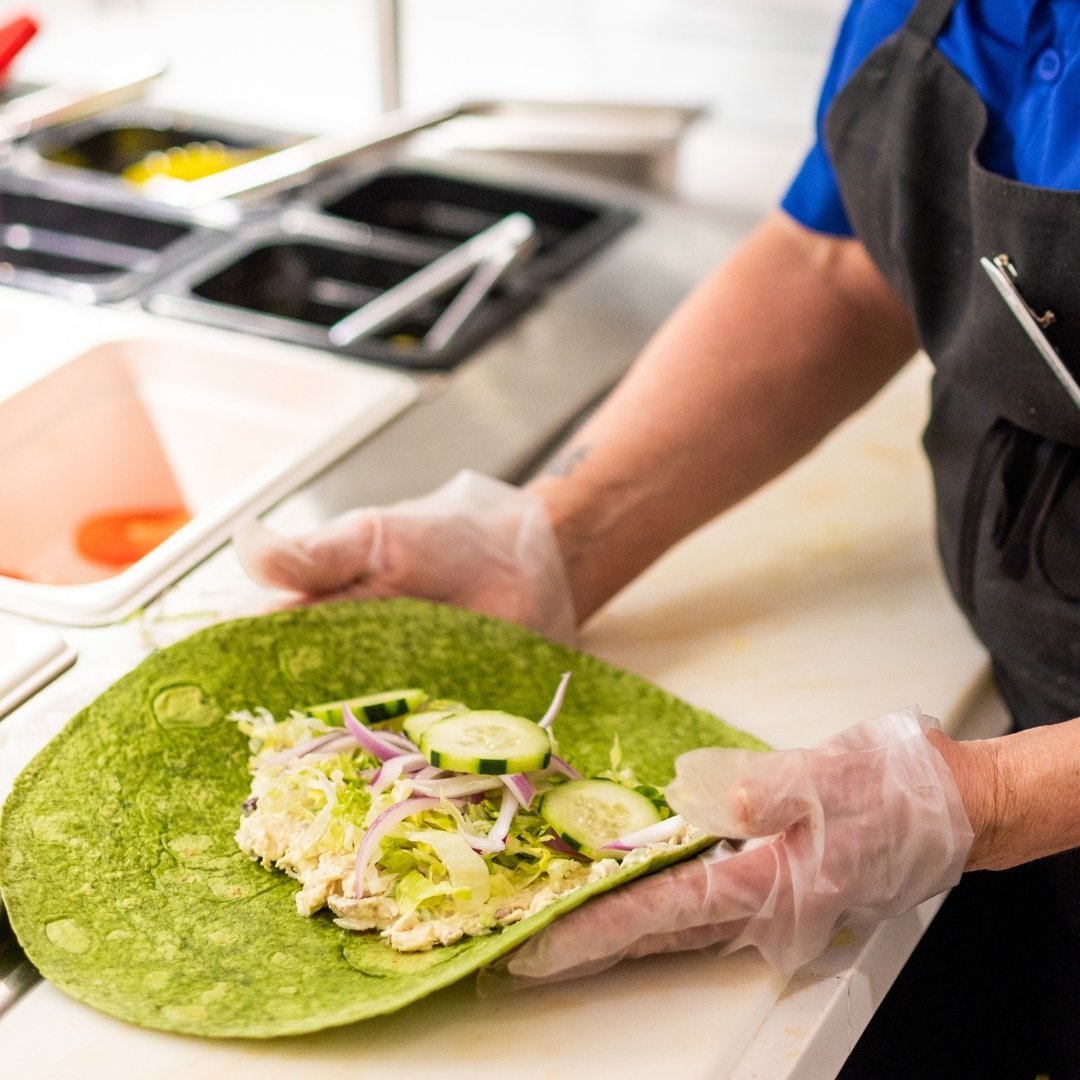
[813, 198]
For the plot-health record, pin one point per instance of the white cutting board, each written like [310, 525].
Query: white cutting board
[811, 606]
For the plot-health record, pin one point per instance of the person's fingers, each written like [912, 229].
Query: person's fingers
[691, 905]
[606, 927]
[743, 793]
[501, 977]
[329, 559]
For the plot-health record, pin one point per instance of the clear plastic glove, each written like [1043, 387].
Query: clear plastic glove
[864, 826]
[474, 542]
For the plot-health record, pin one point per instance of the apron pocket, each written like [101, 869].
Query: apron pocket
[1057, 532]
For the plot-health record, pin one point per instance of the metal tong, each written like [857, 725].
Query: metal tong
[65, 102]
[479, 262]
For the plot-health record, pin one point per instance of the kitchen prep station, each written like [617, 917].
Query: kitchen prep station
[345, 281]
[274, 322]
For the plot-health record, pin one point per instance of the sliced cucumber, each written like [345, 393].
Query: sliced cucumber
[588, 814]
[417, 723]
[370, 707]
[486, 741]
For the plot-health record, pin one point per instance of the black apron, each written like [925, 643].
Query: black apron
[1004, 444]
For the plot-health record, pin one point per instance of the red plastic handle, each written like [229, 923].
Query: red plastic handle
[13, 36]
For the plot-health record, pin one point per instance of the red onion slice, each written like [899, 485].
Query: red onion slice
[521, 787]
[457, 787]
[495, 841]
[394, 739]
[651, 834]
[560, 765]
[500, 830]
[432, 772]
[389, 771]
[556, 702]
[382, 745]
[379, 828]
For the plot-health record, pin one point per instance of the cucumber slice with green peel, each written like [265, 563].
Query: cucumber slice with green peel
[445, 705]
[371, 707]
[486, 741]
[587, 814]
[417, 723]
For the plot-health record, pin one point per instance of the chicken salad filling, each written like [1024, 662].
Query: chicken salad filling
[428, 821]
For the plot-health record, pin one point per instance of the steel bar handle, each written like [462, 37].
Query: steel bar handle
[288, 167]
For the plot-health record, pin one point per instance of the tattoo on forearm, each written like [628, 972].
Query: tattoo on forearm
[564, 463]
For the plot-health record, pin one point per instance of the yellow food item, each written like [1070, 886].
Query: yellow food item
[190, 162]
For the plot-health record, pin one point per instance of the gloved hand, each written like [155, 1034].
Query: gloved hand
[868, 824]
[474, 542]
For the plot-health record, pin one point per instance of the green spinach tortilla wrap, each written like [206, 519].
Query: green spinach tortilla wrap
[118, 862]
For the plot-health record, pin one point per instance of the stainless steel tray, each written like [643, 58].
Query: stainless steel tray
[294, 275]
[626, 142]
[94, 151]
[446, 205]
[377, 240]
[89, 246]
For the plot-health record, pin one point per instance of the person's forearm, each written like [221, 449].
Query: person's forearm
[1021, 792]
[788, 337]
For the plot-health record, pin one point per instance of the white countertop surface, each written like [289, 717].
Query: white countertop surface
[816, 603]
[813, 605]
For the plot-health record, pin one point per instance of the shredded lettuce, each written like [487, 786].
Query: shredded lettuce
[267, 734]
[465, 868]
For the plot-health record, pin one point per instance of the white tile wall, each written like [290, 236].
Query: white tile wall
[311, 64]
